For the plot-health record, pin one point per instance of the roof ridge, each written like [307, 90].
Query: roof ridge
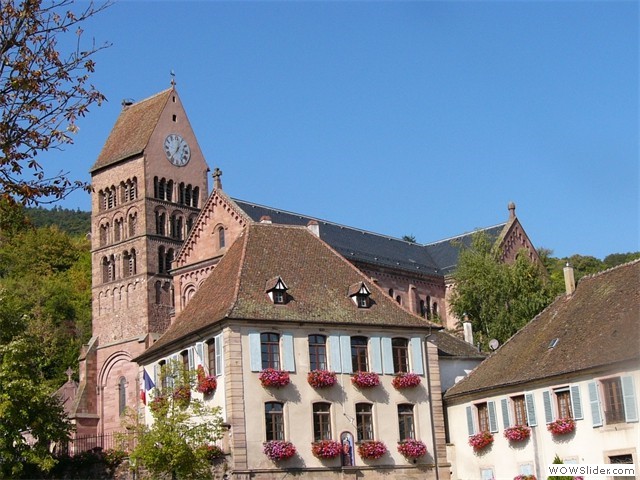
[244, 237]
[151, 97]
[608, 270]
[481, 229]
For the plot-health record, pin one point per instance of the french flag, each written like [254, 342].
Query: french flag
[148, 385]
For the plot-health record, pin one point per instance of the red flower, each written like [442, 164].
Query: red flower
[207, 384]
[365, 379]
[406, 380]
[270, 377]
[278, 449]
[372, 449]
[480, 440]
[412, 448]
[326, 449]
[517, 433]
[182, 395]
[562, 426]
[321, 378]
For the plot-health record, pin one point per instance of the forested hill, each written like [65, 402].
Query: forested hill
[73, 222]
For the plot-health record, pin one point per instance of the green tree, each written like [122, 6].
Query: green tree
[497, 298]
[44, 88]
[31, 419]
[180, 439]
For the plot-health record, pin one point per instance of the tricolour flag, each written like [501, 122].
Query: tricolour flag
[148, 385]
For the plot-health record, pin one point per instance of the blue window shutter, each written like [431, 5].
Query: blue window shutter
[191, 358]
[576, 404]
[200, 355]
[594, 403]
[255, 351]
[219, 355]
[415, 346]
[375, 354]
[629, 399]
[470, 426]
[531, 410]
[387, 355]
[493, 419]
[505, 412]
[288, 359]
[548, 408]
[334, 353]
[345, 350]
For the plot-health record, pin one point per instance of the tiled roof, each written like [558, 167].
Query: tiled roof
[317, 277]
[452, 346]
[596, 326]
[356, 245]
[132, 130]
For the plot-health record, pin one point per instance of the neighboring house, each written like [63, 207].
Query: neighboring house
[579, 360]
[282, 298]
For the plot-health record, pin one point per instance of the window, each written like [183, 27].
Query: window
[274, 420]
[321, 421]
[364, 421]
[161, 260]
[133, 220]
[399, 347]
[483, 416]
[161, 220]
[399, 300]
[277, 290]
[519, 410]
[563, 402]
[360, 294]
[317, 352]
[613, 401]
[221, 242]
[104, 234]
[270, 350]
[162, 369]
[487, 473]
[359, 354]
[168, 260]
[184, 355]
[428, 308]
[122, 395]
[211, 357]
[405, 421]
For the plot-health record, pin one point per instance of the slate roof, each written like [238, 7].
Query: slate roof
[596, 326]
[439, 258]
[452, 346]
[132, 130]
[317, 277]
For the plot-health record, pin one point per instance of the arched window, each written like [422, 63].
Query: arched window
[196, 196]
[221, 240]
[274, 420]
[117, 231]
[399, 300]
[169, 191]
[104, 234]
[131, 266]
[400, 349]
[187, 195]
[364, 421]
[158, 286]
[105, 270]
[405, 421]
[421, 309]
[168, 260]
[133, 220]
[270, 350]
[321, 421]
[428, 308]
[434, 307]
[122, 395]
[161, 259]
[161, 221]
[391, 292]
[102, 200]
[156, 188]
[359, 354]
[181, 193]
[124, 192]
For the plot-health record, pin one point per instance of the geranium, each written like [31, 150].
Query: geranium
[278, 449]
[406, 380]
[213, 452]
[562, 426]
[270, 377]
[517, 433]
[321, 378]
[480, 440]
[326, 449]
[412, 448]
[182, 395]
[525, 477]
[371, 449]
[207, 384]
[159, 403]
[365, 379]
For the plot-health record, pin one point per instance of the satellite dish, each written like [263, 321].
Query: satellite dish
[494, 344]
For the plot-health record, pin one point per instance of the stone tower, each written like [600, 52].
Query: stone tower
[149, 182]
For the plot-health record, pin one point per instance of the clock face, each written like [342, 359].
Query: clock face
[177, 150]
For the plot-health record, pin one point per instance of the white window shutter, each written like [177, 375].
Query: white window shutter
[191, 358]
[345, 350]
[470, 426]
[288, 358]
[415, 348]
[505, 412]
[200, 355]
[594, 403]
[219, 361]
[156, 375]
[375, 354]
[493, 419]
[255, 352]
[629, 399]
[531, 409]
[548, 407]
[334, 353]
[387, 355]
[576, 404]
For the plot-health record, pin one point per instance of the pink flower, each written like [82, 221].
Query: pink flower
[480, 440]
[278, 449]
[406, 380]
[270, 377]
[207, 384]
[412, 448]
[525, 477]
[372, 449]
[326, 449]
[562, 426]
[365, 379]
[321, 378]
[517, 433]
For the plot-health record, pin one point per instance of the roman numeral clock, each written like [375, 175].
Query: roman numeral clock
[177, 150]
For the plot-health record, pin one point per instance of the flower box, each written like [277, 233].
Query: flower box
[480, 440]
[207, 384]
[365, 379]
[412, 448]
[270, 377]
[321, 378]
[182, 395]
[406, 380]
[517, 433]
[371, 449]
[326, 449]
[562, 426]
[278, 449]
[525, 477]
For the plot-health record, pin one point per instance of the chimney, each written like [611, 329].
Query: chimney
[314, 228]
[265, 219]
[467, 331]
[569, 279]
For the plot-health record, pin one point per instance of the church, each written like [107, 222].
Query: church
[179, 270]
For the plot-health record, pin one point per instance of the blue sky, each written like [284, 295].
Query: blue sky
[422, 118]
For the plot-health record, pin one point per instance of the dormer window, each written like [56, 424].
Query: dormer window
[277, 291]
[360, 295]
